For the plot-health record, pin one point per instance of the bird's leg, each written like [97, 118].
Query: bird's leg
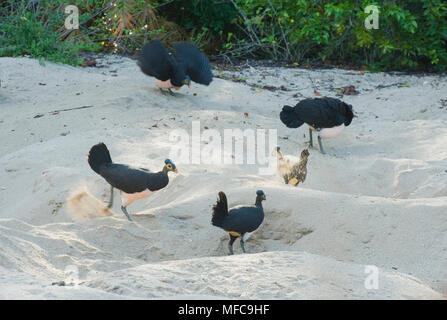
[230, 244]
[126, 200]
[321, 145]
[310, 142]
[242, 245]
[123, 208]
[171, 93]
[110, 204]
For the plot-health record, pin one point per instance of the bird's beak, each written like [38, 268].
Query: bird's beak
[176, 170]
[264, 197]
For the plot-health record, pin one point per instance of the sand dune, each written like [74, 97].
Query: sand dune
[379, 197]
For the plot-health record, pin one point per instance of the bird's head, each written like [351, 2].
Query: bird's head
[304, 153]
[276, 151]
[350, 114]
[170, 166]
[260, 194]
[187, 81]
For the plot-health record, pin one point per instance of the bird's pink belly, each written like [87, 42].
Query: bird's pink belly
[331, 132]
[138, 195]
[164, 84]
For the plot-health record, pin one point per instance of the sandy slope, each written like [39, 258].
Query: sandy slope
[378, 198]
[284, 274]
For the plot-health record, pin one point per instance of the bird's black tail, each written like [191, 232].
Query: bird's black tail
[220, 210]
[289, 117]
[154, 60]
[195, 63]
[97, 156]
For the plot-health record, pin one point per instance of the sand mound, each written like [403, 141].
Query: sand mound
[83, 206]
[270, 275]
[378, 198]
[285, 275]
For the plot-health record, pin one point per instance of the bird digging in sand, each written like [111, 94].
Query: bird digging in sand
[187, 63]
[133, 183]
[240, 221]
[292, 173]
[327, 116]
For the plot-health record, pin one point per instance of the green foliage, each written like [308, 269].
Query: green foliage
[207, 21]
[124, 25]
[36, 28]
[412, 34]
[23, 32]
[214, 15]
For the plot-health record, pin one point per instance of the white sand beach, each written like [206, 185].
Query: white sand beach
[377, 198]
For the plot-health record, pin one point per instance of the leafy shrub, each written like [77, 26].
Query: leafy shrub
[125, 25]
[36, 28]
[23, 32]
[410, 34]
[206, 21]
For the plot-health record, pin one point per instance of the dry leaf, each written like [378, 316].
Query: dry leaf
[349, 90]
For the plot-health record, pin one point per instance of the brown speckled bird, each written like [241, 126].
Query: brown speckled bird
[292, 173]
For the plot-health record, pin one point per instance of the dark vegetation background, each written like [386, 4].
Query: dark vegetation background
[412, 34]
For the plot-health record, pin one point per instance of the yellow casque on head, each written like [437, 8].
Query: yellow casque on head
[170, 166]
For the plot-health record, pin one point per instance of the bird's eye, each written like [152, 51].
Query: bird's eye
[169, 166]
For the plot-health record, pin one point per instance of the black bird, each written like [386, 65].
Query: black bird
[240, 221]
[327, 116]
[133, 183]
[187, 63]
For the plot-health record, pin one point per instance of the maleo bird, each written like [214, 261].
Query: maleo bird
[240, 221]
[133, 183]
[327, 116]
[184, 65]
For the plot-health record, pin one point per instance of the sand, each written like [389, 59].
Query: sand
[377, 198]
